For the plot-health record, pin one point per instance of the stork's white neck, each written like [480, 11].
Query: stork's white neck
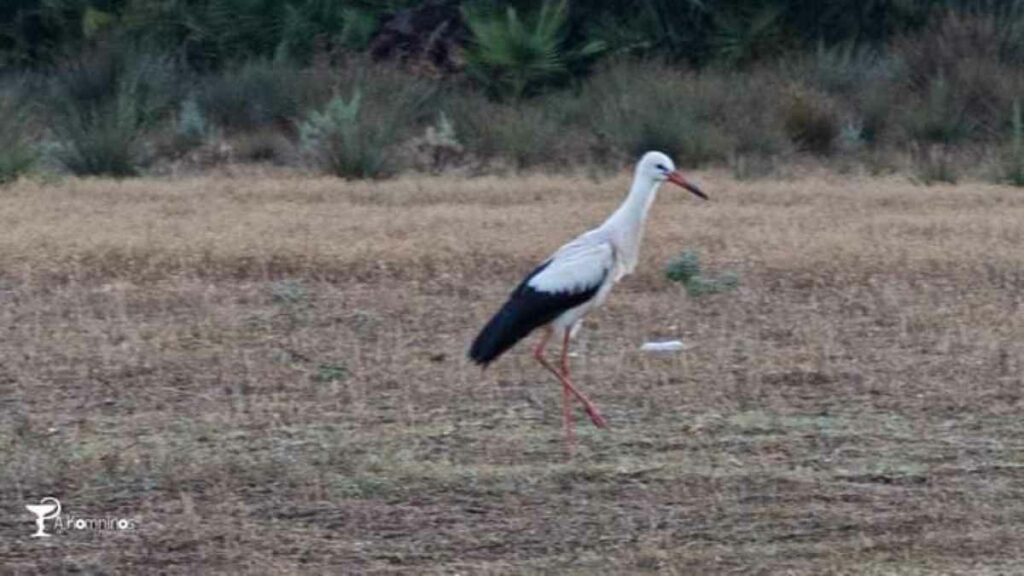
[626, 225]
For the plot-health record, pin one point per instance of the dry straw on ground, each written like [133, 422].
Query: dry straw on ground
[268, 374]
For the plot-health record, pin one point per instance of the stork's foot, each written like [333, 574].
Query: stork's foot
[596, 417]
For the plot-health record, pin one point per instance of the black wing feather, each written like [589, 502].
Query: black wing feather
[526, 310]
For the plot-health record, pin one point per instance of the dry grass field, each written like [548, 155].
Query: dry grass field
[266, 372]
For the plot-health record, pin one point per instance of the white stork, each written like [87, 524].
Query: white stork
[575, 279]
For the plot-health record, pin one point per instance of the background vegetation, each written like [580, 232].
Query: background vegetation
[368, 88]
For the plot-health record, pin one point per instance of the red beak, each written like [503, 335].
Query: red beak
[678, 179]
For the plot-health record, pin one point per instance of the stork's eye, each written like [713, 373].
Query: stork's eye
[661, 167]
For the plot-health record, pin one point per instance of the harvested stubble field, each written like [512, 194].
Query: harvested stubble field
[267, 373]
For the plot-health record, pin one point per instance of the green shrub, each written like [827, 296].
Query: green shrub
[104, 103]
[525, 134]
[1012, 162]
[633, 107]
[339, 145]
[874, 109]
[97, 77]
[842, 69]
[262, 145]
[438, 148]
[955, 36]
[747, 107]
[190, 128]
[257, 94]
[17, 155]
[355, 138]
[513, 58]
[937, 117]
[318, 25]
[964, 71]
[862, 83]
[812, 122]
[103, 139]
[933, 163]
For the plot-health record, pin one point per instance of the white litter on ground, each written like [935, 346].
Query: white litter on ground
[665, 346]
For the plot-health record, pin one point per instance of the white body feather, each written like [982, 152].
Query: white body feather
[605, 255]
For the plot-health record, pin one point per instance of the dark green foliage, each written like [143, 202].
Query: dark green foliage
[207, 35]
[216, 33]
[667, 27]
[937, 116]
[513, 57]
[17, 154]
[742, 82]
[212, 33]
[748, 33]
[103, 139]
[686, 270]
[103, 104]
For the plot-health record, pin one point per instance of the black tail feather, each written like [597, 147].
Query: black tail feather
[526, 310]
[505, 329]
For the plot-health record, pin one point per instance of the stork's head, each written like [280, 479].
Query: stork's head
[659, 167]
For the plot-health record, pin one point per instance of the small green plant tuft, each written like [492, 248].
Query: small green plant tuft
[331, 373]
[686, 270]
[287, 292]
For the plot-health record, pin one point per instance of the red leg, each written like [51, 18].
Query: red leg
[567, 415]
[592, 411]
[538, 353]
[566, 399]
